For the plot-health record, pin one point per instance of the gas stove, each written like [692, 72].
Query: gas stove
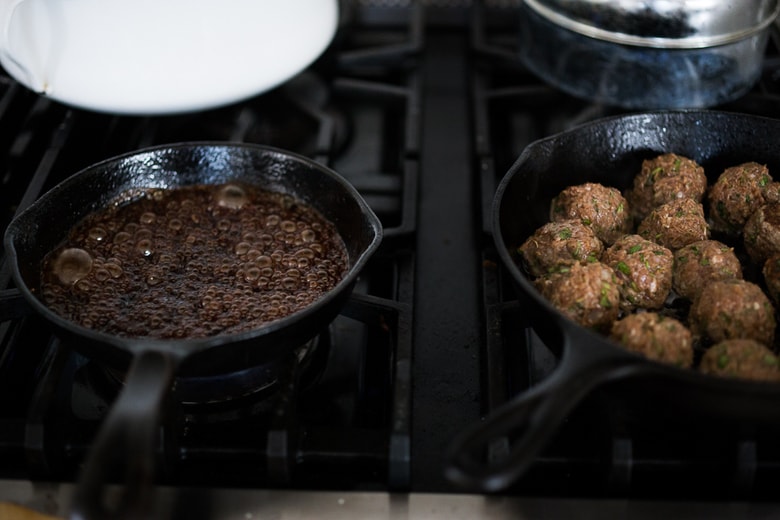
[423, 107]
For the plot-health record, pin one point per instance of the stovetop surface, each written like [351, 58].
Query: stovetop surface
[423, 108]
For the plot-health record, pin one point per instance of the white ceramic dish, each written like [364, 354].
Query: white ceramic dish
[160, 56]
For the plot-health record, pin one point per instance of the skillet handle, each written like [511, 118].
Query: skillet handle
[486, 458]
[127, 439]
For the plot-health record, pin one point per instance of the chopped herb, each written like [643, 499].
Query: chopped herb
[604, 300]
[682, 259]
[764, 180]
[623, 268]
[770, 360]
[721, 207]
[592, 258]
[723, 361]
[586, 221]
[619, 208]
[564, 234]
[633, 249]
[704, 261]
[653, 174]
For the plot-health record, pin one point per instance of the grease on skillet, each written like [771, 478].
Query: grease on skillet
[194, 261]
[645, 336]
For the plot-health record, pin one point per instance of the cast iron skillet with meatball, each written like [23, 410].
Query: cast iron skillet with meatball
[610, 152]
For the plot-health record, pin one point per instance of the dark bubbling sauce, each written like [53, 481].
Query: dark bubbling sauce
[193, 262]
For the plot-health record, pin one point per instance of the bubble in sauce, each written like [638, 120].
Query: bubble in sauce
[180, 263]
[72, 265]
[232, 196]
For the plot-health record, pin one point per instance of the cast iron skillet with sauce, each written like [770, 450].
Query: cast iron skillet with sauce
[127, 436]
[609, 151]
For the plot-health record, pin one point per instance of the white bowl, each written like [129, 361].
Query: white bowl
[161, 56]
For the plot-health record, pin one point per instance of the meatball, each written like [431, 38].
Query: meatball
[762, 233]
[675, 224]
[602, 208]
[663, 179]
[560, 243]
[736, 194]
[741, 358]
[772, 192]
[731, 309]
[587, 293]
[645, 270]
[701, 263]
[771, 272]
[655, 337]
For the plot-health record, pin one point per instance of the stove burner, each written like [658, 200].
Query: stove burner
[297, 116]
[211, 398]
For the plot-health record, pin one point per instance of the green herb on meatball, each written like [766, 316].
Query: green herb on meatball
[701, 263]
[733, 309]
[735, 195]
[675, 224]
[557, 244]
[663, 179]
[655, 337]
[587, 293]
[741, 358]
[602, 208]
[644, 267]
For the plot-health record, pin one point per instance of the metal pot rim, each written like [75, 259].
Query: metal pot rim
[696, 41]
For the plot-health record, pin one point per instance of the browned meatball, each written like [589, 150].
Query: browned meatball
[675, 224]
[772, 192]
[771, 272]
[559, 244]
[701, 263]
[741, 358]
[656, 337]
[663, 179]
[587, 293]
[602, 208]
[736, 194]
[762, 233]
[731, 309]
[644, 267]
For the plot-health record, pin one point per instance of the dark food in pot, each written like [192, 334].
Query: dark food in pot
[644, 267]
[732, 309]
[194, 261]
[701, 263]
[675, 224]
[602, 208]
[762, 233]
[559, 244]
[657, 337]
[741, 358]
[587, 293]
[663, 179]
[737, 192]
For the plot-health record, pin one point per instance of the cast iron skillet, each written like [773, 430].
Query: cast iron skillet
[609, 151]
[127, 437]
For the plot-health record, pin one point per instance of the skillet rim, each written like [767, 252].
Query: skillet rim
[182, 348]
[572, 331]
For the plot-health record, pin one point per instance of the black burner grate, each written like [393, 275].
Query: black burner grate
[345, 425]
[610, 446]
